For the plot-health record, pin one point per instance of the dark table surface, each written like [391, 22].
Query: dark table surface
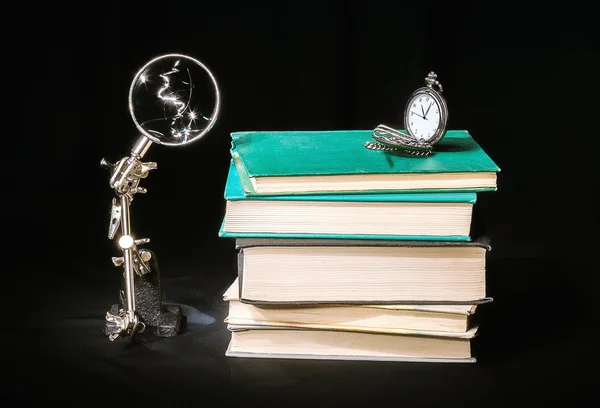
[535, 349]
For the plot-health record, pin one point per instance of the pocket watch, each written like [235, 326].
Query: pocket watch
[425, 119]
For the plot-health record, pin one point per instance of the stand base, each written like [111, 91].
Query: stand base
[167, 323]
[165, 318]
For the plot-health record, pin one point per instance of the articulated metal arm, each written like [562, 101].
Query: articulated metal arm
[125, 179]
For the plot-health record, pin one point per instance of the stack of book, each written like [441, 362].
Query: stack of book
[355, 254]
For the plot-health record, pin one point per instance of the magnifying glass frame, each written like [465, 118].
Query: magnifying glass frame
[211, 121]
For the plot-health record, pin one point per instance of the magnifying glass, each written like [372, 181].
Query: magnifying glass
[174, 100]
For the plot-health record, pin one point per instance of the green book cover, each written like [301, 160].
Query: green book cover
[264, 154]
[234, 192]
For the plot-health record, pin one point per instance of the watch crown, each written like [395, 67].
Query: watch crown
[431, 77]
[431, 80]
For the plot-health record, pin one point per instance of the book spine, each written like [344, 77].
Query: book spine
[247, 186]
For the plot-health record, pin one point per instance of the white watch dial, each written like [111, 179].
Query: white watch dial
[423, 117]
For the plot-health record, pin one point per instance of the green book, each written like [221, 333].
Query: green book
[329, 162]
[392, 216]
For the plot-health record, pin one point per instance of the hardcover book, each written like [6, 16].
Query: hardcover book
[398, 319]
[313, 162]
[308, 271]
[402, 216]
[264, 342]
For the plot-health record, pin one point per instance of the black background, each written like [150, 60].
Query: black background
[522, 79]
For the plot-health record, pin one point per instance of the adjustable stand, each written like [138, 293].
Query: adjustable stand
[164, 94]
[140, 303]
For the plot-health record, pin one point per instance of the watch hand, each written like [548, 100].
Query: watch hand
[423, 113]
[429, 107]
[415, 113]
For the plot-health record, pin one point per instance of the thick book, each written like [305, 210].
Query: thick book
[277, 342]
[401, 216]
[328, 271]
[398, 319]
[307, 162]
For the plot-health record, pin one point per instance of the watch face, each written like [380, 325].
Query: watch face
[424, 117]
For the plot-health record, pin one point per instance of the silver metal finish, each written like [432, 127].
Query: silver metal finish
[430, 91]
[128, 258]
[125, 179]
[115, 218]
[389, 139]
[432, 82]
[163, 92]
[178, 118]
[141, 147]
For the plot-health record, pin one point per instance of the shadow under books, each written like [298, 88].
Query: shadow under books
[537, 305]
